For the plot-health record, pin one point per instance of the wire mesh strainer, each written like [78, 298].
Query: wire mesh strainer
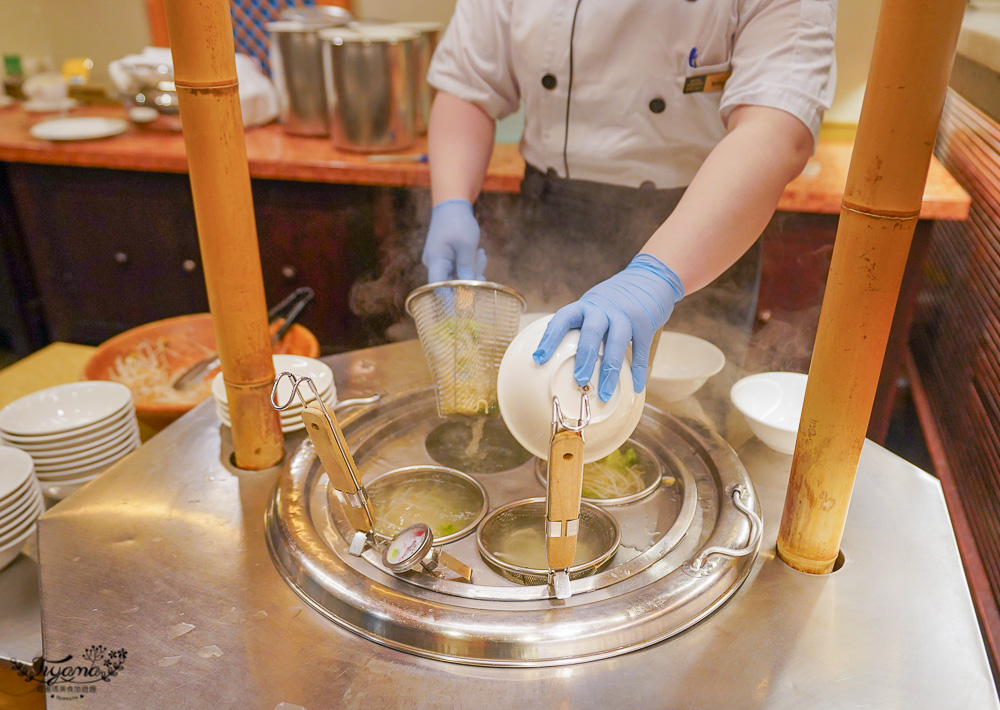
[498, 539]
[465, 328]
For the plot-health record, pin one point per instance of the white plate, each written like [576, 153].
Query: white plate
[14, 528]
[9, 552]
[74, 446]
[78, 128]
[81, 435]
[104, 457]
[15, 505]
[43, 106]
[69, 454]
[64, 408]
[16, 498]
[73, 475]
[16, 467]
[299, 365]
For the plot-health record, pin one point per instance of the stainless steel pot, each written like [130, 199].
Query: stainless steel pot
[430, 33]
[369, 89]
[297, 69]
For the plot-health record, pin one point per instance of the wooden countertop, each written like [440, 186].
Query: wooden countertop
[274, 155]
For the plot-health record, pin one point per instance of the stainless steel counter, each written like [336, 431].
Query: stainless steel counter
[174, 535]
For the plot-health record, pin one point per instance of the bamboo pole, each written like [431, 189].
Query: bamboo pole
[201, 38]
[914, 47]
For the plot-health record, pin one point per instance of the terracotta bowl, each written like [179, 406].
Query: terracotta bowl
[189, 339]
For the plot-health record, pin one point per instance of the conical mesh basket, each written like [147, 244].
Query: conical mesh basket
[465, 328]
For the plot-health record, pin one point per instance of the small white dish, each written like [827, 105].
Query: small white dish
[15, 526]
[17, 498]
[76, 446]
[771, 403]
[100, 458]
[683, 363]
[74, 474]
[299, 365]
[63, 408]
[525, 391]
[10, 551]
[92, 432]
[16, 467]
[19, 502]
[69, 454]
[45, 106]
[78, 128]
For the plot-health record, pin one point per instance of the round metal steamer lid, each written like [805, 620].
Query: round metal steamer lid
[685, 550]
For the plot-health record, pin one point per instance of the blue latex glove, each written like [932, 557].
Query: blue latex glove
[629, 307]
[451, 250]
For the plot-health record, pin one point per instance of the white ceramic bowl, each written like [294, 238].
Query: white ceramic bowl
[525, 391]
[17, 498]
[16, 467]
[92, 432]
[529, 318]
[14, 526]
[101, 458]
[682, 365]
[10, 551]
[78, 445]
[299, 365]
[63, 408]
[771, 402]
[73, 475]
[73, 453]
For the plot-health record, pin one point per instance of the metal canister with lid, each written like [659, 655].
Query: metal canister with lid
[430, 33]
[369, 89]
[297, 67]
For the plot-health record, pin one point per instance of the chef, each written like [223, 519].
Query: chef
[659, 136]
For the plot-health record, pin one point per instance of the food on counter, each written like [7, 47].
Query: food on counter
[150, 370]
[617, 475]
[444, 504]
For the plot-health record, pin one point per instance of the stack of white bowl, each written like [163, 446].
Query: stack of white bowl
[300, 366]
[20, 502]
[72, 432]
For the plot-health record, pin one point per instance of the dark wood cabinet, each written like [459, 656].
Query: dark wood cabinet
[112, 249]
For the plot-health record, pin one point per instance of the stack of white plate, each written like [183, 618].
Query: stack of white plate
[72, 432]
[20, 502]
[298, 365]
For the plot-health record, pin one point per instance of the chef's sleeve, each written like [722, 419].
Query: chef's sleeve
[783, 57]
[473, 59]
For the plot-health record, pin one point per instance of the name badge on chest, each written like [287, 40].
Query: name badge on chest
[712, 81]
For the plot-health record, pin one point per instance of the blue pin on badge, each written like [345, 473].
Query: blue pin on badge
[693, 57]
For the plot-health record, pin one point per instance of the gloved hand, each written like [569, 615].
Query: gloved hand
[452, 240]
[629, 307]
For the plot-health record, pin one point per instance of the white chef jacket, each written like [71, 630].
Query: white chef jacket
[627, 120]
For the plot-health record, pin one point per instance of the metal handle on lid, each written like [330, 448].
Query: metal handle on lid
[696, 567]
[332, 449]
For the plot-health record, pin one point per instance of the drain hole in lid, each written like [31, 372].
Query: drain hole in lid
[475, 444]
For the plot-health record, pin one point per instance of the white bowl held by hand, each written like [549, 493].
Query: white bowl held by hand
[683, 363]
[525, 391]
[771, 402]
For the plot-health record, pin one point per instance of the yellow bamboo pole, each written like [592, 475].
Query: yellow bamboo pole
[201, 40]
[914, 48]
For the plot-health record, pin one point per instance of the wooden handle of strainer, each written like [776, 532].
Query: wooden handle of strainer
[339, 466]
[563, 498]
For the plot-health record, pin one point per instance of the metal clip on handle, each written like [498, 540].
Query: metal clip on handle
[336, 457]
[696, 567]
[563, 493]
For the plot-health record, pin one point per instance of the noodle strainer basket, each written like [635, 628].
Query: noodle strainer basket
[597, 527]
[464, 329]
